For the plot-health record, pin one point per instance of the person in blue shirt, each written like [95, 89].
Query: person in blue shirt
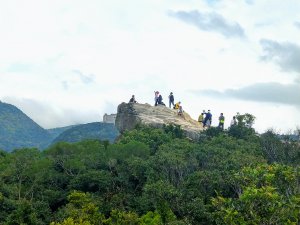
[171, 100]
[207, 119]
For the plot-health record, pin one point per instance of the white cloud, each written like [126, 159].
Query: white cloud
[72, 61]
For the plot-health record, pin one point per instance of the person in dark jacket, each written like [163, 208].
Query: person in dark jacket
[132, 100]
[159, 100]
[171, 100]
[208, 119]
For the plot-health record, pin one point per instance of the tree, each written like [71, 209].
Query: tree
[269, 195]
[243, 129]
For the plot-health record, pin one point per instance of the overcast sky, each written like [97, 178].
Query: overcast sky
[66, 62]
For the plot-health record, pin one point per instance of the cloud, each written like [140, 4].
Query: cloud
[286, 55]
[48, 116]
[262, 92]
[65, 84]
[297, 24]
[250, 2]
[212, 2]
[79, 79]
[210, 22]
[85, 78]
[19, 67]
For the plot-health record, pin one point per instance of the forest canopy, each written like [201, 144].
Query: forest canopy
[155, 176]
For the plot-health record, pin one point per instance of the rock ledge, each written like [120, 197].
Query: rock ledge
[131, 114]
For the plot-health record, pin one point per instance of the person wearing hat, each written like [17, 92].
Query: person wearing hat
[171, 100]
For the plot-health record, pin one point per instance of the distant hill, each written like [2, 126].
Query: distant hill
[55, 132]
[17, 130]
[96, 130]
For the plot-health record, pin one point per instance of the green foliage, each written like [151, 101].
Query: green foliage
[269, 194]
[154, 176]
[17, 130]
[280, 150]
[150, 136]
[174, 130]
[23, 214]
[213, 131]
[151, 218]
[243, 130]
[245, 120]
[96, 130]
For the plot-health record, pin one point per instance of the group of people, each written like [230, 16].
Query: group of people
[158, 101]
[205, 118]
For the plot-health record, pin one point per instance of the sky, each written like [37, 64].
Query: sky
[65, 62]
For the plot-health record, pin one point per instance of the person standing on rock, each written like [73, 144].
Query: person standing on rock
[156, 95]
[171, 100]
[201, 118]
[208, 119]
[221, 121]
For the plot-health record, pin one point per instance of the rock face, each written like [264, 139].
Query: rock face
[131, 114]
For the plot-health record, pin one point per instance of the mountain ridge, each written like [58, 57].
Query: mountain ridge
[17, 130]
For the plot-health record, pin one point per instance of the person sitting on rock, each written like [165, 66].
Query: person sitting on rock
[132, 100]
[180, 111]
[177, 105]
[159, 100]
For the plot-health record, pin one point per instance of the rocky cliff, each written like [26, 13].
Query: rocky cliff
[130, 114]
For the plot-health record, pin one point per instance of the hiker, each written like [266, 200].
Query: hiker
[208, 119]
[156, 95]
[201, 118]
[159, 101]
[177, 105]
[180, 111]
[132, 100]
[233, 121]
[221, 121]
[171, 100]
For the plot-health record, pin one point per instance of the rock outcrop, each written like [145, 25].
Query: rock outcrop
[131, 114]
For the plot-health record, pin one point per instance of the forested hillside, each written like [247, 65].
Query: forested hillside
[17, 130]
[155, 176]
[96, 130]
[55, 132]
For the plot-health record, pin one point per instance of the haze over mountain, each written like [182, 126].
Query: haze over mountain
[96, 130]
[17, 130]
